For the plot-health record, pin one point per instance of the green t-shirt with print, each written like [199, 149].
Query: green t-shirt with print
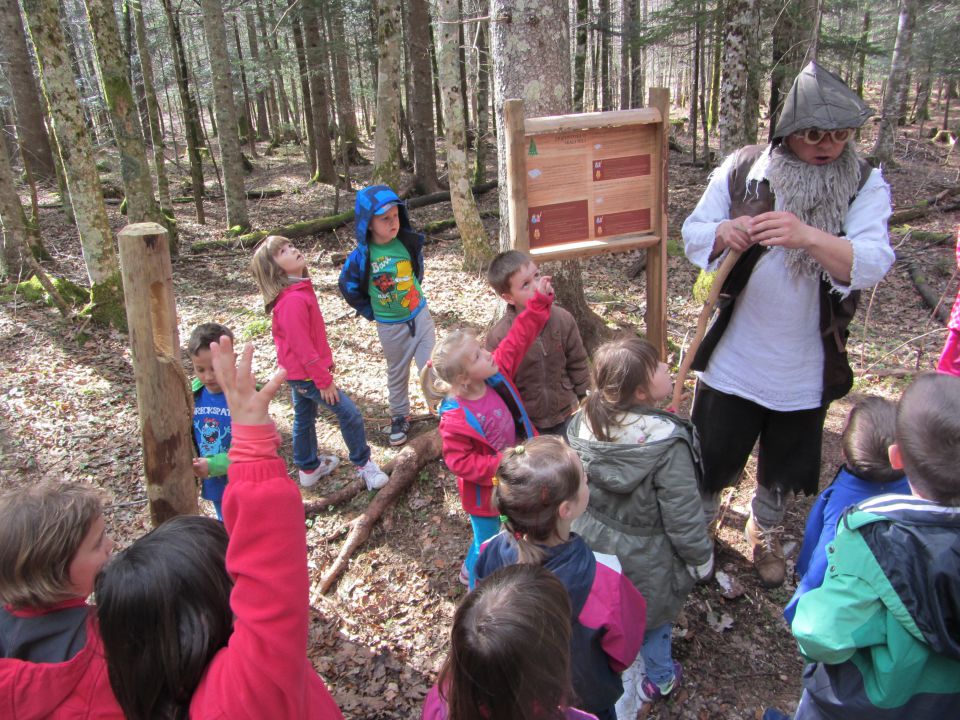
[395, 293]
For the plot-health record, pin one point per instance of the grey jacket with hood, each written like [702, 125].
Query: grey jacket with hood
[645, 509]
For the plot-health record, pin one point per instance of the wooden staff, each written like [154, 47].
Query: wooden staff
[708, 307]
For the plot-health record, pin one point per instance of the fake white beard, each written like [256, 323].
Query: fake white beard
[817, 194]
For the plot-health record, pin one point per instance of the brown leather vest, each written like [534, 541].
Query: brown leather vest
[835, 313]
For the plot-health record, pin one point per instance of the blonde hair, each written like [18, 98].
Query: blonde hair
[446, 365]
[269, 276]
[41, 529]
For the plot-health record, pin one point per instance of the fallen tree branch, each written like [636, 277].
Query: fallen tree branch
[305, 228]
[338, 497]
[927, 294]
[406, 466]
[925, 206]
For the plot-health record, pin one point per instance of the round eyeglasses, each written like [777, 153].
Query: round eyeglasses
[814, 136]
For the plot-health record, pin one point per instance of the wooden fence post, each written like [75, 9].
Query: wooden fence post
[164, 401]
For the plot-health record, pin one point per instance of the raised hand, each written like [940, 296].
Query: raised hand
[247, 405]
[544, 285]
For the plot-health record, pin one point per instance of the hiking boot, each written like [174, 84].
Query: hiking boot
[372, 475]
[650, 692]
[328, 463]
[767, 553]
[399, 427]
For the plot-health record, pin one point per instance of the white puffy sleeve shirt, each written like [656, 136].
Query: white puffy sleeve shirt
[771, 352]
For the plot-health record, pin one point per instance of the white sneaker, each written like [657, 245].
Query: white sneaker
[373, 476]
[328, 463]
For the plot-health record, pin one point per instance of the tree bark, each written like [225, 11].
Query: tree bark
[31, 131]
[386, 153]
[15, 266]
[214, 28]
[883, 149]
[190, 118]
[263, 123]
[421, 107]
[580, 56]
[153, 107]
[326, 172]
[734, 76]
[476, 249]
[310, 150]
[483, 103]
[76, 150]
[346, 111]
[531, 57]
[127, 130]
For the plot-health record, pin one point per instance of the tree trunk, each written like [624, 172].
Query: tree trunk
[273, 109]
[226, 113]
[697, 59]
[346, 112]
[883, 149]
[715, 69]
[76, 150]
[580, 57]
[31, 131]
[153, 107]
[483, 104]
[127, 130]
[191, 120]
[421, 105]
[628, 11]
[476, 250]
[263, 123]
[437, 100]
[531, 58]
[606, 86]
[386, 154]
[738, 27]
[14, 264]
[310, 150]
[246, 117]
[319, 103]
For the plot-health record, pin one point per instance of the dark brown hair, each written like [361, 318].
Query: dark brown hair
[534, 480]
[204, 334]
[619, 368]
[163, 607]
[867, 437]
[928, 435]
[502, 268]
[510, 649]
[41, 529]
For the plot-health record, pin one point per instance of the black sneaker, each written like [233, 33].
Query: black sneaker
[399, 427]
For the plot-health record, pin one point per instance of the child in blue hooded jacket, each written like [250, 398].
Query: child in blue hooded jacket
[381, 281]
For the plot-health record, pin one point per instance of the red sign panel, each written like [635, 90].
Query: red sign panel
[558, 223]
[621, 222]
[618, 168]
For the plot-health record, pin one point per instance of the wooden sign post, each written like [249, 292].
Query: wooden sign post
[163, 398]
[593, 183]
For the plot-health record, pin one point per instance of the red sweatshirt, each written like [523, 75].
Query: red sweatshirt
[300, 335]
[264, 672]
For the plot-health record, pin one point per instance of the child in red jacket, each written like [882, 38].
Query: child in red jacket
[302, 350]
[950, 357]
[194, 626]
[52, 544]
[482, 413]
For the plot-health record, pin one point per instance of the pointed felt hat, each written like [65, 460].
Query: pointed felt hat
[820, 99]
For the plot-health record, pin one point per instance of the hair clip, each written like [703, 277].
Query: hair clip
[430, 363]
[519, 450]
[517, 536]
[495, 480]
[504, 519]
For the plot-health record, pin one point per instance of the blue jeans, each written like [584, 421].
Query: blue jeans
[484, 528]
[306, 399]
[657, 655]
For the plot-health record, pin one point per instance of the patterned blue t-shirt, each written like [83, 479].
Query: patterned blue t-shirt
[211, 431]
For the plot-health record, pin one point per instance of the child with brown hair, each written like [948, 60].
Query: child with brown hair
[541, 490]
[300, 336]
[866, 472]
[509, 653]
[553, 376]
[482, 412]
[643, 464]
[53, 542]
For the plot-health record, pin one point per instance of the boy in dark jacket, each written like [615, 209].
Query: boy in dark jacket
[553, 376]
[381, 281]
[882, 631]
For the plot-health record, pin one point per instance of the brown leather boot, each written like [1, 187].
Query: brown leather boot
[767, 553]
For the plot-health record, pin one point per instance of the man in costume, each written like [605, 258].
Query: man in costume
[810, 221]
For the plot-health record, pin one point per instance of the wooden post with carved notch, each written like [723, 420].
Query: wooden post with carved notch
[164, 401]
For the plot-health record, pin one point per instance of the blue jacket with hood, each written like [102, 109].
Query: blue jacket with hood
[355, 277]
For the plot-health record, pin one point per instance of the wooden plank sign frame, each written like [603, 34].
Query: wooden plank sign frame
[593, 183]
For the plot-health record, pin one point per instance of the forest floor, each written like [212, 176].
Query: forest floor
[68, 411]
